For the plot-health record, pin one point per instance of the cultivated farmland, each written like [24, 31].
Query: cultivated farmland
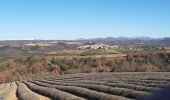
[93, 86]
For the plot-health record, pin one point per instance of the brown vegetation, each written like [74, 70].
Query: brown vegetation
[31, 66]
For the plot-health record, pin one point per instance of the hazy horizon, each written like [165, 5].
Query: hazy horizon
[138, 37]
[74, 19]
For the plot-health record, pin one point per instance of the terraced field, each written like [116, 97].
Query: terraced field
[94, 86]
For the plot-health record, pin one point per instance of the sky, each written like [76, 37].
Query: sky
[73, 19]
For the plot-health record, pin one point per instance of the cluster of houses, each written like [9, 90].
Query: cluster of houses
[92, 45]
[96, 46]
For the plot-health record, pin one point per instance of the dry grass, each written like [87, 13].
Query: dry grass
[39, 44]
[9, 92]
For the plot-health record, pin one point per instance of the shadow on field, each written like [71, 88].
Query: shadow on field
[163, 94]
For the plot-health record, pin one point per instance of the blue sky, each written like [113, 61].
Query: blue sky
[72, 19]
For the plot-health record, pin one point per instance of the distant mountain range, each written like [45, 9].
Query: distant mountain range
[120, 38]
[133, 40]
[108, 40]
